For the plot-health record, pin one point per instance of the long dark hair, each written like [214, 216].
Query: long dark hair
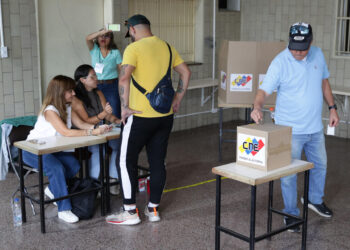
[112, 44]
[80, 91]
[55, 94]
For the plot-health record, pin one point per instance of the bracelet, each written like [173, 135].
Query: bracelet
[333, 107]
[89, 132]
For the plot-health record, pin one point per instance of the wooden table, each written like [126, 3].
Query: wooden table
[254, 177]
[55, 144]
[202, 84]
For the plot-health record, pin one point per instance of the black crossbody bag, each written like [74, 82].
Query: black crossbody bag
[162, 95]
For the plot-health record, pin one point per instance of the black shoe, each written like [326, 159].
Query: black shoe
[288, 221]
[321, 209]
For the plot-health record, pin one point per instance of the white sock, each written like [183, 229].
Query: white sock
[129, 207]
[150, 204]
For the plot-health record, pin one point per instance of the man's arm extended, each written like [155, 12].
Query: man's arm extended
[257, 114]
[328, 96]
[185, 75]
[124, 90]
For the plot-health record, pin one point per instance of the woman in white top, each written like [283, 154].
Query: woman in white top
[55, 119]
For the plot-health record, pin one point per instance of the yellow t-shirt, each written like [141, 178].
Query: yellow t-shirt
[150, 56]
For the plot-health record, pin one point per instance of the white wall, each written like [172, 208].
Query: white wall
[63, 26]
[19, 85]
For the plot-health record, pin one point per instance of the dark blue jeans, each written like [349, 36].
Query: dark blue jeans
[111, 93]
[57, 167]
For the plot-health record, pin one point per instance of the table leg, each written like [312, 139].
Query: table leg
[41, 193]
[102, 181]
[21, 183]
[252, 217]
[220, 133]
[305, 208]
[217, 213]
[269, 209]
[108, 204]
[86, 163]
[247, 115]
[81, 170]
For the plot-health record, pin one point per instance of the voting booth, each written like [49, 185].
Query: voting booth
[242, 68]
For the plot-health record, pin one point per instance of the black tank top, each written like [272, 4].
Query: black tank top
[96, 106]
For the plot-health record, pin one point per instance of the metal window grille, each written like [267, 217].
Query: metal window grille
[171, 20]
[343, 29]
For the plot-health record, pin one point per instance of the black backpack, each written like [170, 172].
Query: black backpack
[83, 205]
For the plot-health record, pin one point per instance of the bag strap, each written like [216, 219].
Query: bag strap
[171, 57]
[138, 86]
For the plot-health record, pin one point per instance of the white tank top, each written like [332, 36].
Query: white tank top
[44, 128]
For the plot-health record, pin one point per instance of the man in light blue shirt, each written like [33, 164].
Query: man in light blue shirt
[300, 75]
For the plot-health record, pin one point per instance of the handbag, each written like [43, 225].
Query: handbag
[162, 95]
[83, 205]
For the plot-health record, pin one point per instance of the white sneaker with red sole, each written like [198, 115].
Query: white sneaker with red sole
[126, 217]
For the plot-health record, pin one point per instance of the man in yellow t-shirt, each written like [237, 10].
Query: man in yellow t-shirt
[146, 60]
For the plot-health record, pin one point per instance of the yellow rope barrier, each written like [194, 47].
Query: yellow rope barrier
[193, 185]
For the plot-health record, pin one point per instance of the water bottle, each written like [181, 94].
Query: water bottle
[17, 213]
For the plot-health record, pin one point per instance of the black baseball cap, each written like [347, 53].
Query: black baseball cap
[135, 20]
[300, 36]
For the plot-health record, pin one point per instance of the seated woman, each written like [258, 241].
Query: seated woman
[90, 104]
[55, 119]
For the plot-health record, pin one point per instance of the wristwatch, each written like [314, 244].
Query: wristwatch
[333, 107]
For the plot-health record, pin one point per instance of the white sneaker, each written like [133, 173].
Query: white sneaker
[152, 213]
[48, 193]
[128, 217]
[68, 216]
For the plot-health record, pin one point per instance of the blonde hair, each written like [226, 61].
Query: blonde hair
[55, 95]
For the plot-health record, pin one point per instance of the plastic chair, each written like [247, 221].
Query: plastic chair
[18, 134]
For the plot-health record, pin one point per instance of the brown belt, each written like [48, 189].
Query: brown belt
[107, 81]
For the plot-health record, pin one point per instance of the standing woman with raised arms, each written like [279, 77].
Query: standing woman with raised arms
[106, 60]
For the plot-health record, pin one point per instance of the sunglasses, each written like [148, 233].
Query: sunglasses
[299, 30]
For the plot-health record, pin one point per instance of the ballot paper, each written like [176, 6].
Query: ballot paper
[330, 130]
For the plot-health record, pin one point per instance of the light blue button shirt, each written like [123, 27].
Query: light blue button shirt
[299, 90]
[110, 62]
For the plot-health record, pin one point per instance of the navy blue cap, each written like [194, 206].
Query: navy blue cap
[300, 36]
[135, 20]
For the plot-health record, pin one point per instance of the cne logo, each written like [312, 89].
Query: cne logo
[241, 80]
[251, 146]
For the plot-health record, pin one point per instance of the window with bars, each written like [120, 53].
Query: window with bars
[342, 46]
[172, 21]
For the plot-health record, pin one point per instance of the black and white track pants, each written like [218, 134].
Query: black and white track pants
[137, 133]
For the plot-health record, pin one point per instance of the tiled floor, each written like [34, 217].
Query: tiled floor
[188, 215]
